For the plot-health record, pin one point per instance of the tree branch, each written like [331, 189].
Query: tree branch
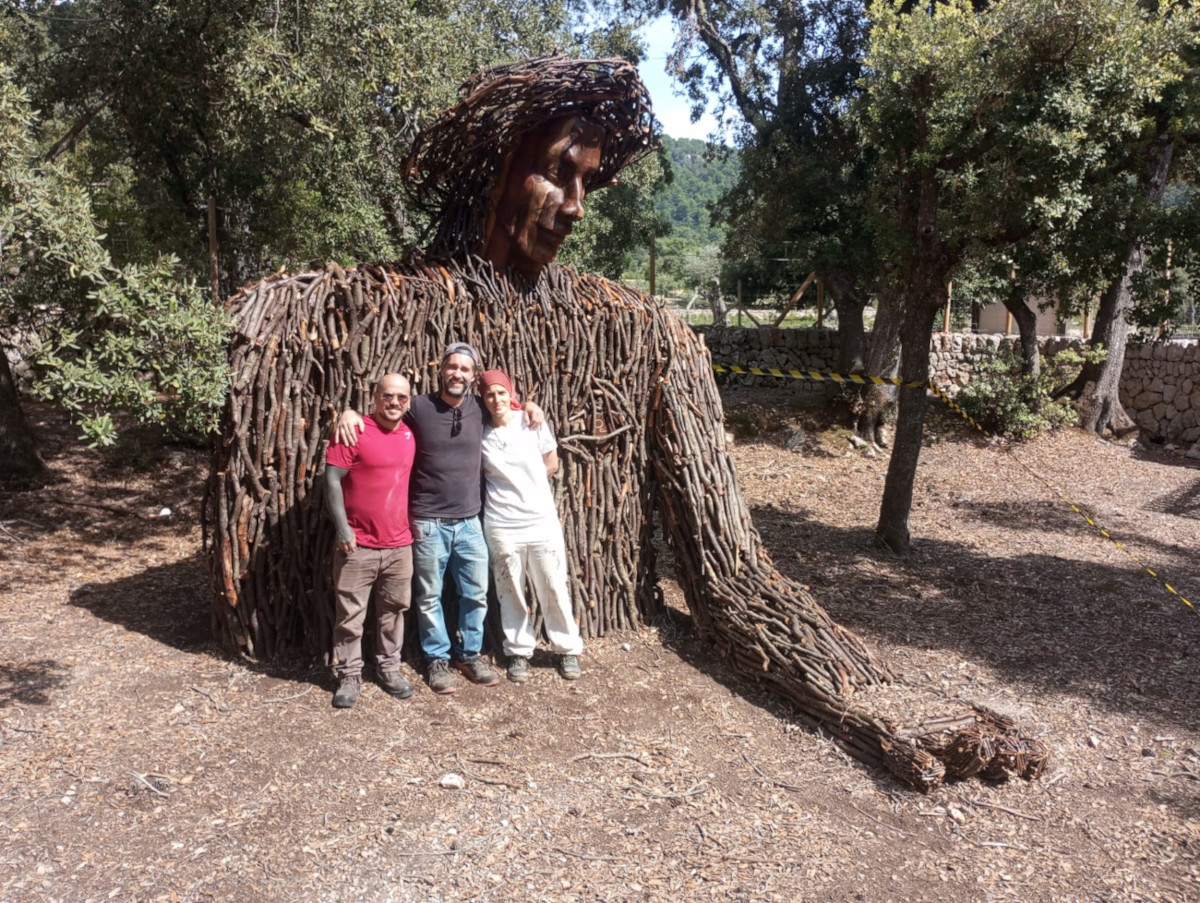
[79, 125]
[726, 59]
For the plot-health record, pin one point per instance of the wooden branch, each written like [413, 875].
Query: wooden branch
[796, 297]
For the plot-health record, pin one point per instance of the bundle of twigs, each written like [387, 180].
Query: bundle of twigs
[630, 392]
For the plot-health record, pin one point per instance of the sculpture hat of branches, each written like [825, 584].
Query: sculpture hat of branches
[456, 162]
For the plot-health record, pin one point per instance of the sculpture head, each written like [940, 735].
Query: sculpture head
[504, 171]
[539, 197]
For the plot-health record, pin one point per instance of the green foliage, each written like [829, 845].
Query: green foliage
[294, 118]
[1002, 399]
[108, 338]
[700, 178]
[149, 344]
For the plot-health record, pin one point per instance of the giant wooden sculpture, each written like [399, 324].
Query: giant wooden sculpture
[628, 386]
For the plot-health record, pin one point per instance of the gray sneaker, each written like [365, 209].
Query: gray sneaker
[568, 667]
[349, 686]
[441, 678]
[478, 671]
[394, 684]
[518, 669]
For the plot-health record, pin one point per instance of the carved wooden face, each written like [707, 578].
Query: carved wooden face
[541, 198]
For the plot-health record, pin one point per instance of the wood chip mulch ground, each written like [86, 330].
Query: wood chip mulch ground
[137, 762]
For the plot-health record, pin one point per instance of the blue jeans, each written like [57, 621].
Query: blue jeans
[457, 548]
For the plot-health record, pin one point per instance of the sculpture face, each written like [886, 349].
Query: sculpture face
[541, 199]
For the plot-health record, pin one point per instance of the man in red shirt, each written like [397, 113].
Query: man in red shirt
[366, 493]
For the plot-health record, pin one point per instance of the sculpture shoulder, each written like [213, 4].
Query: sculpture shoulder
[600, 289]
[312, 288]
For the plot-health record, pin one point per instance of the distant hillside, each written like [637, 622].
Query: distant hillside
[697, 185]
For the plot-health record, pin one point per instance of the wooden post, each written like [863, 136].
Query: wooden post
[651, 264]
[820, 302]
[946, 313]
[796, 297]
[1008, 323]
[1163, 326]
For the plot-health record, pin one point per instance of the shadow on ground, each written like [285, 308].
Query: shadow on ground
[171, 604]
[1102, 631]
[29, 683]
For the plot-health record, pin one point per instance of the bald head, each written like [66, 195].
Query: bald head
[391, 400]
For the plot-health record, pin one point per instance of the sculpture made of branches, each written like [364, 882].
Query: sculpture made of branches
[630, 391]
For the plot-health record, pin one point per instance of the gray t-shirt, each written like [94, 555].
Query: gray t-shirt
[445, 478]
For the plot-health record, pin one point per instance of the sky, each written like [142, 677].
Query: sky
[672, 109]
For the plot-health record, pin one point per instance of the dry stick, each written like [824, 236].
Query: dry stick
[667, 794]
[1004, 809]
[286, 698]
[878, 822]
[794, 787]
[636, 757]
[150, 786]
[484, 780]
[219, 706]
[587, 856]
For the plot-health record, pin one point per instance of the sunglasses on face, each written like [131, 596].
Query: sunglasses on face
[393, 396]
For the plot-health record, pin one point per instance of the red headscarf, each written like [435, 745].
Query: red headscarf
[499, 378]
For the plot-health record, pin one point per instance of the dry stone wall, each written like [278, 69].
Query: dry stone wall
[1160, 382]
[1160, 387]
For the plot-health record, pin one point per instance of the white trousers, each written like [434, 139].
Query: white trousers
[544, 563]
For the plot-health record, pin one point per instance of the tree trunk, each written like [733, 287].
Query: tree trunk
[921, 290]
[876, 404]
[916, 333]
[1097, 387]
[852, 335]
[19, 458]
[1014, 301]
[716, 302]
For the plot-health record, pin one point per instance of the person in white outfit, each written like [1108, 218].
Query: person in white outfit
[524, 536]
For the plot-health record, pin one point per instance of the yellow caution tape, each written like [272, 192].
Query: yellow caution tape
[859, 379]
[819, 376]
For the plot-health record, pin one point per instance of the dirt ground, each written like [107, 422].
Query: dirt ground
[137, 762]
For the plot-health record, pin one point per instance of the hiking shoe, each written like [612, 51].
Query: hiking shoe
[349, 686]
[394, 684]
[441, 678]
[568, 667]
[518, 669]
[476, 670]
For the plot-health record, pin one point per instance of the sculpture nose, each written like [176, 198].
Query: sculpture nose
[572, 207]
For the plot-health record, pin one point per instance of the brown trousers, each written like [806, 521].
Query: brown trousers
[384, 575]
